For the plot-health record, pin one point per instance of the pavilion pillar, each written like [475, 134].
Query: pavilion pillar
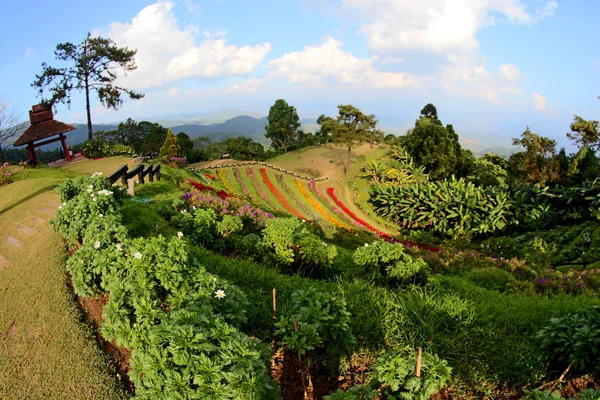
[65, 147]
[31, 151]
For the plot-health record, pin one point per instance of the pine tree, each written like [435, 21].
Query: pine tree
[171, 146]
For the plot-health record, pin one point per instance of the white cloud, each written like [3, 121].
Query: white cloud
[539, 102]
[167, 53]
[28, 53]
[329, 62]
[509, 72]
[443, 26]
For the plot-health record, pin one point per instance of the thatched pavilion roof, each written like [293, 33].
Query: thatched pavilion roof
[42, 126]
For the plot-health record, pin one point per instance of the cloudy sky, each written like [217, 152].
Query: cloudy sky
[490, 66]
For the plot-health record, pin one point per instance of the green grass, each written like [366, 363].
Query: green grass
[106, 165]
[45, 349]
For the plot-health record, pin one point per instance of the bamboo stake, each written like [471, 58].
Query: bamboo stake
[300, 362]
[418, 370]
[274, 318]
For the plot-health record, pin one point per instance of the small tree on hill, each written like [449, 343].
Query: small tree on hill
[171, 146]
[282, 125]
[352, 128]
[584, 132]
[9, 126]
[92, 67]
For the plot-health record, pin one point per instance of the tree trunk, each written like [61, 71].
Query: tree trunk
[87, 95]
[349, 154]
[2, 155]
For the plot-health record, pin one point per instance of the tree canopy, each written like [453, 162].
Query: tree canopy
[538, 162]
[171, 147]
[282, 125]
[91, 67]
[584, 133]
[352, 128]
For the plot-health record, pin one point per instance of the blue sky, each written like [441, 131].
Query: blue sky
[490, 66]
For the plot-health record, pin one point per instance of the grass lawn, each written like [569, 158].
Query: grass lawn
[106, 165]
[45, 349]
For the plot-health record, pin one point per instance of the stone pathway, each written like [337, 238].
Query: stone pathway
[26, 230]
[13, 241]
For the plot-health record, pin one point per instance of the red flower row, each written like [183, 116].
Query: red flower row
[221, 193]
[282, 200]
[365, 224]
[209, 176]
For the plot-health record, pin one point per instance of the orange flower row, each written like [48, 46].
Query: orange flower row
[282, 200]
[320, 209]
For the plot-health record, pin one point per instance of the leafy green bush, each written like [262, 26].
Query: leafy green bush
[450, 207]
[192, 354]
[291, 243]
[200, 225]
[491, 278]
[383, 259]
[119, 149]
[323, 326]
[356, 392]
[585, 394]
[574, 338]
[229, 224]
[94, 148]
[397, 374]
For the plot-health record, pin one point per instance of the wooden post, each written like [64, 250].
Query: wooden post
[31, 150]
[65, 147]
[418, 371]
[131, 187]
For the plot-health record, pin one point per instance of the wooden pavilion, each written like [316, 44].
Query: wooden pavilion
[43, 126]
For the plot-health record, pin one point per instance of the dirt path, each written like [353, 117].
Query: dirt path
[45, 351]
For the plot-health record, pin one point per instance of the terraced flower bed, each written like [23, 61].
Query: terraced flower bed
[281, 198]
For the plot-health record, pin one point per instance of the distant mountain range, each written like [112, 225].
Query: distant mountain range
[228, 123]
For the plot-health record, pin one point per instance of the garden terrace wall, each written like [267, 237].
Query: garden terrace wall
[245, 164]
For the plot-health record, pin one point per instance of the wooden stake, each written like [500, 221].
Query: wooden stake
[274, 318]
[418, 371]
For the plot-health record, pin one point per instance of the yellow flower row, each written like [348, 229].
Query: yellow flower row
[320, 209]
[226, 183]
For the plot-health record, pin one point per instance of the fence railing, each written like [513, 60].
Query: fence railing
[244, 164]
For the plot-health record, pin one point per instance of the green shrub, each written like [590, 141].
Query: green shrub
[383, 259]
[94, 148]
[229, 224]
[574, 338]
[323, 326]
[196, 355]
[357, 392]
[397, 374]
[491, 278]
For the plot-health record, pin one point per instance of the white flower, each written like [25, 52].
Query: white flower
[219, 294]
[303, 220]
[97, 244]
[97, 174]
[64, 204]
[119, 247]
[105, 192]
[90, 186]
[179, 235]
[183, 211]
[366, 244]
[137, 255]
[59, 207]
[101, 215]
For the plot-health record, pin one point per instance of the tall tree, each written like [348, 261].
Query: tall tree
[584, 133]
[171, 147]
[282, 125]
[9, 126]
[431, 146]
[91, 66]
[352, 128]
[323, 133]
[538, 163]
[185, 143]
[429, 111]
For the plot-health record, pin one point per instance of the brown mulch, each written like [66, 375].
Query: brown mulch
[92, 309]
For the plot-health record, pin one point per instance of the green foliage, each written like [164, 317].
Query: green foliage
[229, 224]
[192, 354]
[85, 199]
[584, 133]
[451, 207]
[94, 148]
[200, 225]
[398, 375]
[356, 392]
[323, 325]
[574, 338]
[185, 143]
[585, 394]
[487, 173]
[538, 163]
[351, 128]
[291, 243]
[282, 125]
[170, 147]
[433, 146]
[93, 66]
[390, 261]
[491, 278]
